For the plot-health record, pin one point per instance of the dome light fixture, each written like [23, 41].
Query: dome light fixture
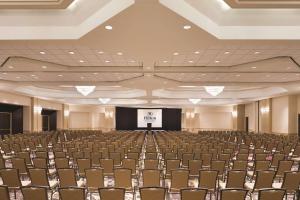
[85, 90]
[104, 100]
[195, 101]
[214, 90]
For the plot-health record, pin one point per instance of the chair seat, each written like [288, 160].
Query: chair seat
[53, 184]
[80, 183]
[25, 183]
[249, 185]
[277, 185]
[222, 184]
[51, 171]
[250, 173]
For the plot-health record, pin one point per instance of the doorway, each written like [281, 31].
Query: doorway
[49, 118]
[247, 124]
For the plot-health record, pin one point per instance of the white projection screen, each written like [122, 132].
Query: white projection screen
[153, 116]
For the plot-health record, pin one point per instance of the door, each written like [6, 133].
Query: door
[247, 124]
[46, 123]
[5, 123]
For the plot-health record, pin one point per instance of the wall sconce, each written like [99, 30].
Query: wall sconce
[265, 110]
[66, 113]
[111, 114]
[188, 114]
[37, 109]
[234, 113]
[192, 115]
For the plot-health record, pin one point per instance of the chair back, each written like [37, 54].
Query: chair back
[236, 194]
[61, 163]
[276, 158]
[129, 163]
[96, 156]
[206, 159]
[107, 165]
[264, 179]
[73, 193]
[10, 177]
[34, 193]
[236, 179]
[291, 181]
[19, 163]
[208, 179]
[151, 164]
[116, 156]
[194, 166]
[193, 194]
[151, 178]
[150, 193]
[67, 177]
[261, 165]
[151, 155]
[26, 156]
[218, 165]
[284, 166]
[186, 157]
[240, 164]
[94, 178]
[271, 194]
[112, 193]
[172, 165]
[59, 154]
[40, 163]
[123, 178]
[83, 164]
[4, 193]
[179, 179]
[38, 177]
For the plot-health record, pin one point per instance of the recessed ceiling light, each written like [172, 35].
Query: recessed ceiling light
[196, 52]
[268, 75]
[288, 68]
[165, 61]
[119, 53]
[227, 52]
[81, 61]
[60, 75]
[107, 61]
[187, 86]
[4, 73]
[132, 61]
[256, 52]
[18, 77]
[203, 74]
[108, 27]
[100, 52]
[42, 52]
[44, 67]
[297, 74]
[187, 27]
[10, 67]
[217, 61]
[71, 52]
[32, 75]
[165, 82]
[238, 75]
[191, 61]
[253, 67]
[176, 54]
[95, 73]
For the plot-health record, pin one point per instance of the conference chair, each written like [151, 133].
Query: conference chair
[150, 193]
[4, 193]
[179, 180]
[233, 194]
[112, 193]
[34, 193]
[193, 194]
[74, 193]
[94, 180]
[271, 194]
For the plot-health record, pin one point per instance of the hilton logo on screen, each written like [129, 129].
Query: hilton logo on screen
[150, 118]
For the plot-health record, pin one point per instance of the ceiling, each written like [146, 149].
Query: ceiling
[148, 53]
[35, 4]
[263, 3]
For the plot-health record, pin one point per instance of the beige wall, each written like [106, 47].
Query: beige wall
[251, 111]
[91, 117]
[280, 115]
[207, 118]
